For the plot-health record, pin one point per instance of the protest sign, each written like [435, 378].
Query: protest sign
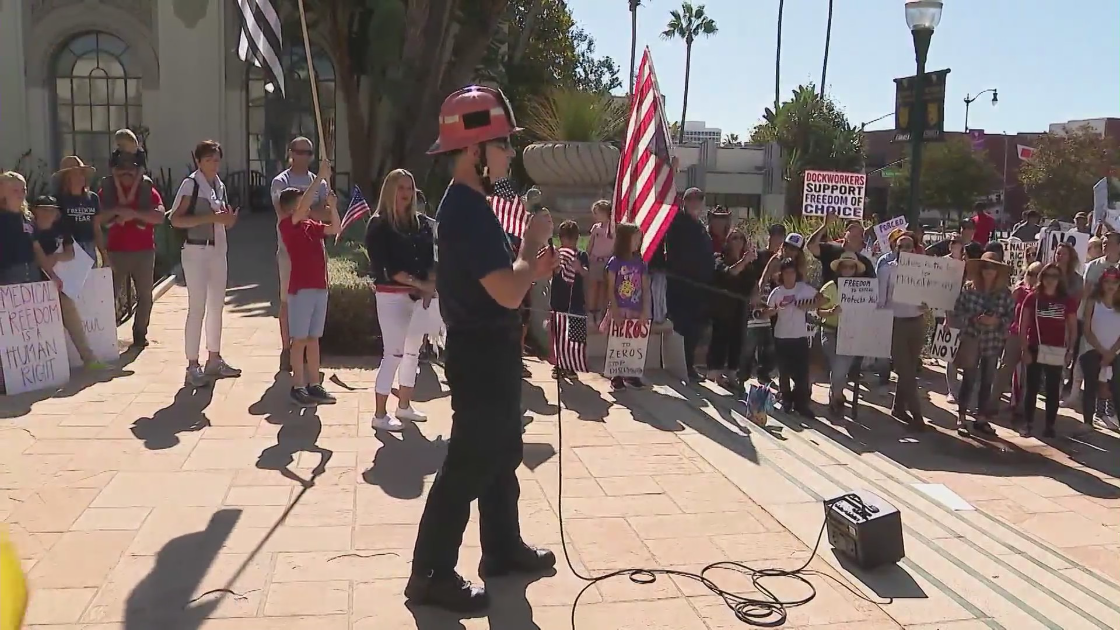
[626, 348]
[865, 332]
[1080, 243]
[857, 292]
[74, 272]
[928, 280]
[99, 319]
[32, 340]
[884, 229]
[1018, 255]
[827, 192]
[945, 343]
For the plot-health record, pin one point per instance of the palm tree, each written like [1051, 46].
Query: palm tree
[827, 43]
[688, 24]
[634, 4]
[778, 57]
[731, 140]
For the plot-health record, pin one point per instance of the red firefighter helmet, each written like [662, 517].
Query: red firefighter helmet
[473, 115]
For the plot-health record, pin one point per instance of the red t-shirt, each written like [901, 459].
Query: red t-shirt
[134, 236]
[1050, 313]
[985, 225]
[304, 241]
[1020, 294]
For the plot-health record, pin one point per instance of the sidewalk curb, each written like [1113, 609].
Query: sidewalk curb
[165, 285]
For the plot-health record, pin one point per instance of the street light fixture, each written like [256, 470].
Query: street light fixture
[969, 100]
[922, 16]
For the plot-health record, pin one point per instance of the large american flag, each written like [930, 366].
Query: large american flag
[569, 341]
[646, 192]
[260, 41]
[358, 209]
[509, 208]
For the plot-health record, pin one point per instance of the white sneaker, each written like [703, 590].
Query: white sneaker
[387, 423]
[410, 414]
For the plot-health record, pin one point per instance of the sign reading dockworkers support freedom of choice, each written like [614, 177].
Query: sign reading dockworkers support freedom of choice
[626, 348]
[32, 339]
[935, 282]
[827, 192]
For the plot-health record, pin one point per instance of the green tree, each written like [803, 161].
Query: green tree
[396, 60]
[1059, 178]
[687, 24]
[731, 140]
[814, 134]
[953, 177]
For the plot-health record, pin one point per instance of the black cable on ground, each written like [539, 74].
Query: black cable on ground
[768, 612]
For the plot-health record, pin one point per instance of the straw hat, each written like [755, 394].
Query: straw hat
[848, 257]
[73, 163]
[974, 266]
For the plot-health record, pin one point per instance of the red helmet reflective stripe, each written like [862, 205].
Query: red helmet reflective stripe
[473, 115]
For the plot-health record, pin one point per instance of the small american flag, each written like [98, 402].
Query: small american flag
[358, 209]
[569, 258]
[569, 341]
[508, 208]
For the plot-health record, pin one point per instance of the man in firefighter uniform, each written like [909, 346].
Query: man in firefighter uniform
[481, 284]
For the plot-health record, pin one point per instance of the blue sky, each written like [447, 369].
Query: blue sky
[1051, 61]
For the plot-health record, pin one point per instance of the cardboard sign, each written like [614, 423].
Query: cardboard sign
[865, 332]
[884, 229]
[99, 319]
[1018, 255]
[626, 348]
[32, 339]
[74, 272]
[829, 192]
[945, 343]
[935, 282]
[857, 293]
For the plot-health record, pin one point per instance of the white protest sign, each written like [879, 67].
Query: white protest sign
[1048, 241]
[74, 272]
[884, 229]
[99, 319]
[827, 192]
[928, 280]
[945, 343]
[865, 332]
[626, 348]
[862, 332]
[32, 340]
[1018, 255]
[1079, 241]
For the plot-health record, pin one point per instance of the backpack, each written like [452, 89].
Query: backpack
[181, 233]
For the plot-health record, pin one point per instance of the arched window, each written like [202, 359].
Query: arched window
[275, 119]
[97, 91]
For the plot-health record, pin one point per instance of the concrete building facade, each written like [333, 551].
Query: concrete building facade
[697, 131]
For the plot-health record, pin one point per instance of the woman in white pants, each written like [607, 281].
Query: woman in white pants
[200, 208]
[400, 242]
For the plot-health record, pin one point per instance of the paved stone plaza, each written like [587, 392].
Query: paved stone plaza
[139, 504]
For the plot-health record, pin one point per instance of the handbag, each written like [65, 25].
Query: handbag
[1048, 355]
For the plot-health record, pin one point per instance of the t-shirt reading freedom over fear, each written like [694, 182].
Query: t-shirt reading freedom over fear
[471, 245]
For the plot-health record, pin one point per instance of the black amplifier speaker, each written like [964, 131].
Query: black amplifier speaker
[865, 528]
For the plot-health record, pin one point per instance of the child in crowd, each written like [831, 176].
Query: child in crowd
[600, 246]
[566, 289]
[790, 301]
[629, 281]
[840, 366]
[307, 287]
[55, 239]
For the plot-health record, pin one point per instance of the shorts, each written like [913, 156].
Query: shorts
[284, 266]
[597, 270]
[307, 313]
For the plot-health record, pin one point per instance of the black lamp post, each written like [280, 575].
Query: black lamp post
[922, 16]
[969, 100]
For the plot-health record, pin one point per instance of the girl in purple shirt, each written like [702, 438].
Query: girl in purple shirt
[628, 280]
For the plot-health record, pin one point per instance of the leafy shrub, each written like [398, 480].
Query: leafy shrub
[351, 327]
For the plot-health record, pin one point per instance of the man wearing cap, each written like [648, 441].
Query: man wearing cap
[691, 265]
[131, 208]
[719, 226]
[481, 285]
[828, 253]
[298, 175]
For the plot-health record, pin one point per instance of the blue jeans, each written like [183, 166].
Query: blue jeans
[839, 365]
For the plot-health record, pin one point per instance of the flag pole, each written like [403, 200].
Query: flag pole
[314, 83]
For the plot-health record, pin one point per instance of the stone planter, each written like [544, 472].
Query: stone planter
[571, 164]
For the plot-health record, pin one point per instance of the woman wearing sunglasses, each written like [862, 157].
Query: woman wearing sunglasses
[1047, 332]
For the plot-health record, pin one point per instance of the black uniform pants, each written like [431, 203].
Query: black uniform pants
[485, 448]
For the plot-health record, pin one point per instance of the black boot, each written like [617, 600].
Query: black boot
[524, 559]
[450, 592]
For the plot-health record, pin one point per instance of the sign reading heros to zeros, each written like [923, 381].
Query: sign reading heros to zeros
[841, 194]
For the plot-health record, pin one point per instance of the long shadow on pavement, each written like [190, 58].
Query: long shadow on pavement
[185, 413]
[402, 463]
[163, 598]
[298, 433]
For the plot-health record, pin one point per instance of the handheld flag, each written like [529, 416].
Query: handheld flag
[646, 189]
[358, 209]
[509, 208]
[569, 341]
